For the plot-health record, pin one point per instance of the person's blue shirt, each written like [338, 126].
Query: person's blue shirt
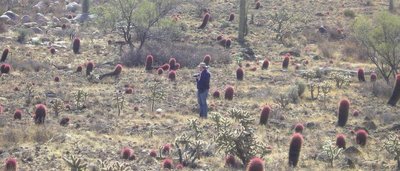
[203, 82]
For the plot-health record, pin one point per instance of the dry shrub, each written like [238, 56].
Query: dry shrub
[381, 89]
[186, 55]
[312, 35]
[326, 49]
[42, 134]
[354, 49]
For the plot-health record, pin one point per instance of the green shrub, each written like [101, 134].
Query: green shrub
[349, 13]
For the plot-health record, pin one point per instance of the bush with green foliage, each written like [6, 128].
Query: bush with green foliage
[237, 140]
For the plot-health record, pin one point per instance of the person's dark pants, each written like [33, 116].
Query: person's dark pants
[202, 100]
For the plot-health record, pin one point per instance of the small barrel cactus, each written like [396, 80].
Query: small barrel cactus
[76, 45]
[118, 69]
[52, 51]
[239, 74]
[11, 164]
[360, 74]
[179, 166]
[258, 5]
[64, 121]
[373, 77]
[18, 114]
[207, 59]
[341, 141]
[229, 93]
[285, 63]
[172, 63]
[361, 137]
[149, 63]
[206, 18]
[343, 112]
[167, 164]
[127, 153]
[255, 164]
[219, 38]
[5, 68]
[177, 66]
[396, 92]
[228, 43]
[165, 67]
[79, 68]
[356, 113]
[298, 128]
[89, 68]
[40, 114]
[265, 64]
[4, 55]
[295, 148]
[172, 75]
[216, 94]
[129, 90]
[231, 17]
[160, 71]
[230, 161]
[153, 153]
[56, 79]
[166, 149]
[265, 115]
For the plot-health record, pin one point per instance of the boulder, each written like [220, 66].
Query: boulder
[40, 6]
[30, 24]
[37, 30]
[4, 19]
[41, 19]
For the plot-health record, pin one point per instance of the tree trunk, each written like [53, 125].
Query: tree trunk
[391, 5]
[242, 21]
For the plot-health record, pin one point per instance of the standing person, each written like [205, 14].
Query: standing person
[203, 85]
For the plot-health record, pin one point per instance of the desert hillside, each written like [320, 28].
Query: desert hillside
[109, 85]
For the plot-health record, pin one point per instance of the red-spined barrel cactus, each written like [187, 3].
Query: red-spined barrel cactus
[231, 17]
[265, 115]
[76, 45]
[356, 113]
[18, 114]
[153, 153]
[265, 64]
[118, 69]
[166, 149]
[129, 90]
[216, 94]
[172, 63]
[40, 114]
[255, 164]
[177, 66]
[56, 79]
[172, 75]
[52, 51]
[341, 141]
[230, 161]
[206, 18]
[294, 149]
[4, 55]
[127, 153]
[360, 74]
[228, 43]
[165, 67]
[79, 68]
[64, 121]
[5, 68]
[373, 77]
[207, 59]
[239, 74]
[361, 137]
[258, 5]
[229, 93]
[219, 38]
[11, 164]
[396, 92]
[89, 68]
[179, 166]
[298, 128]
[343, 112]
[167, 164]
[149, 63]
[285, 63]
[160, 71]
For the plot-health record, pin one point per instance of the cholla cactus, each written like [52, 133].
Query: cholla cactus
[325, 88]
[119, 101]
[341, 79]
[238, 140]
[57, 105]
[392, 146]
[104, 165]
[80, 99]
[76, 164]
[332, 151]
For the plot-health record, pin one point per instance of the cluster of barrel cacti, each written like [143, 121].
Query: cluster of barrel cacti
[225, 42]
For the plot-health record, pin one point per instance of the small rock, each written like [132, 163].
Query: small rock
[25, 19]
[12, 15]
[352, 151]
[311, 125]
[73, 7]
[294, 52]
[40, 6]
[41, 19]
[37, 30]
[64, 20]
[370, 125]
[30, 24]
